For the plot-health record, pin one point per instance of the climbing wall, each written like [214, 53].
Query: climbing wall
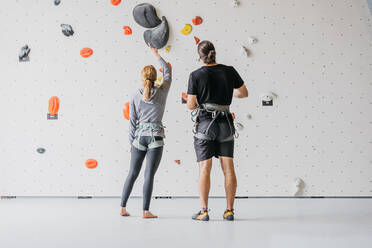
[313, 59]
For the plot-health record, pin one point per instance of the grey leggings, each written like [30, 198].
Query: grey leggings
[153, 157]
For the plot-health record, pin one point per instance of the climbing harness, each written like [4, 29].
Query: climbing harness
[152, 126]
[216, 111]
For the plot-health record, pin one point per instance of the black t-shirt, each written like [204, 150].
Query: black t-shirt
[214, 84]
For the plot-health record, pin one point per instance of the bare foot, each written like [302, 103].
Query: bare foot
[124, 212]
[148, 215]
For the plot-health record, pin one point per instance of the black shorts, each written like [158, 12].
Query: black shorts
[220, 129]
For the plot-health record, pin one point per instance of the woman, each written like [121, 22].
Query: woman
[210, 92]
[146, 132]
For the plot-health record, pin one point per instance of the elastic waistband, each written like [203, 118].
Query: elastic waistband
[215, 107]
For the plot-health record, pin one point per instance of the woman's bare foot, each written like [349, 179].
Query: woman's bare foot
[124, 212]
[148, 215]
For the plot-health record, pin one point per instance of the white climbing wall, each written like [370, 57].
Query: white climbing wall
[316, 56]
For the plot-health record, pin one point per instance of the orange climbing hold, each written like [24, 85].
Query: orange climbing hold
[197, 20]
[91, 163]
[53, 105]
[177, 161]
[126, 110]
[86, 52]
[115, 2]
[184, 98]
[169, 65]
[197, 40]
[127, 30]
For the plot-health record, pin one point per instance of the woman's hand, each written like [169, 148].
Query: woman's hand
[154, 51]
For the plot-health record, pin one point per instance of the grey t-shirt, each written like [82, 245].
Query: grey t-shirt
[151, 110]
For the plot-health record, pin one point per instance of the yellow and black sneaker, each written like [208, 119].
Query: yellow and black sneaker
[229, 214]
[201, 215]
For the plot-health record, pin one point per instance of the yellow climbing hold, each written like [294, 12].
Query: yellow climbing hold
[159, 81]
[167, 49]
[187, 29]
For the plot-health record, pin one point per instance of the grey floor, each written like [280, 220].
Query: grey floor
[93, 223]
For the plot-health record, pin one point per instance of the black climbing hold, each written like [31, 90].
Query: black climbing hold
[23, 54]
[57, 2]
[158, 37]
[40, 150]
[67, 30]
[145, 15]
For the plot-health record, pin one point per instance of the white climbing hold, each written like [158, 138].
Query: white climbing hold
[235, 3]
[239, 126]
[245, 51]
[298, 184]
[252, 40]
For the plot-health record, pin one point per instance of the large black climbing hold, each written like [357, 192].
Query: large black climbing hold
[23, 54]
[67, 30]
[145, 15]
[57, 2]
[40, 150]
[158, 37]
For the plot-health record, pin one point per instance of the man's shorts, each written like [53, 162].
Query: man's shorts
[220, 129]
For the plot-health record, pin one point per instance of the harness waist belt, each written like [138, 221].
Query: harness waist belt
[152, 126]
[215, 107]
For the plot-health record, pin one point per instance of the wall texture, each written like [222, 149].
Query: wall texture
[315, 55]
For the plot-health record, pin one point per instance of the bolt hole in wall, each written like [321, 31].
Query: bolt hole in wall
[305, 129]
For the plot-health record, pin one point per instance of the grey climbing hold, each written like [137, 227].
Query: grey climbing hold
[370, 5]
[158, 37]
[57, 2]
[145, 15]
[40, 150]
[67, 30]
[23, 54]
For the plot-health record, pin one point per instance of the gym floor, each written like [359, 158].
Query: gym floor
[69, 222]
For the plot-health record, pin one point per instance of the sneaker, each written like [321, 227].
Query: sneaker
[228, 214]
[201, 215]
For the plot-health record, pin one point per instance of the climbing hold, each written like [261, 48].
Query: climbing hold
[169, 65]
[158, 37]
[159, 81]
[252, 40]
[57, 2]
[245, 51]
[186, 29]
[197, 20]
[126, 110]
[86, 52]
[167, 49]
[298, 185]
[53, 108]
[184, 98]
[235, 3]
[40, 150]
[127, 30]
[239, 126]
[177, 161]
[91, 163]
[197, 40]
[23, 54]
[67, 30]
[249, 116]
[115, 2]
[145, 15]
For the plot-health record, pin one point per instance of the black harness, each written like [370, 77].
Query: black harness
[215, 110]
